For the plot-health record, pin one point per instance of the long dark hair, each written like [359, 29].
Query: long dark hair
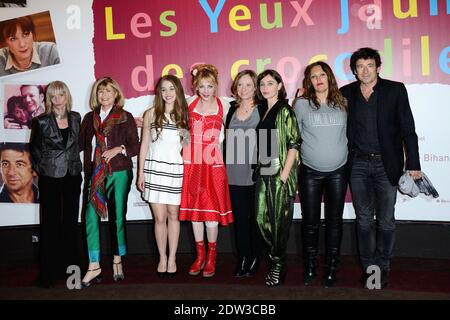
[179, 114]
[274, 74]
[335, 99]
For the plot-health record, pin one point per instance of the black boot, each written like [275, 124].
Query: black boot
[310, 236]
[330, 278]
[332, 264]
[252, 267]
[310, 266]
[241, 268]
[384, 279]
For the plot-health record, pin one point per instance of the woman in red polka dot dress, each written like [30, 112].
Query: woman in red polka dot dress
[205, 198]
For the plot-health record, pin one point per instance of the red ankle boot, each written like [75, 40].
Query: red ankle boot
[199, 262]
[210, 266]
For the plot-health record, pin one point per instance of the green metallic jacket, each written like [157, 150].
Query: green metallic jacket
[288, 138]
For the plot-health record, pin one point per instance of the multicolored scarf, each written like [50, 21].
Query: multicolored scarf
[101, 167]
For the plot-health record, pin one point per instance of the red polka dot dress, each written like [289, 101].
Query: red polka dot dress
[205, 195]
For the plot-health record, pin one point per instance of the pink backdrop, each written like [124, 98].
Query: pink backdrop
[415, 49]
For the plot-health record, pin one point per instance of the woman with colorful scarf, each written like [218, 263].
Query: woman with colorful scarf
[111, 133]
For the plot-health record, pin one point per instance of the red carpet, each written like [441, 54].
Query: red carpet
[408, 274]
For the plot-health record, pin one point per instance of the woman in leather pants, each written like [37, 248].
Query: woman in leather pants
[322, 117]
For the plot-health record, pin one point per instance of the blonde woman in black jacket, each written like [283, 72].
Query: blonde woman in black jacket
[56, 159]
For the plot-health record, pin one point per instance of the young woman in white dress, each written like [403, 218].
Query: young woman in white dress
[160, 174]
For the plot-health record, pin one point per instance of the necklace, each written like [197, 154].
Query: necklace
[248, 109]
[60, 116]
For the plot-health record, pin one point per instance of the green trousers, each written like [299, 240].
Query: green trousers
[117, 188]
[274, 212]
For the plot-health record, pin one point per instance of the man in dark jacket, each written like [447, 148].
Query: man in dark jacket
[380, 131]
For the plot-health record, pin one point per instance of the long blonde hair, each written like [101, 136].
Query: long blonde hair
[52, 89]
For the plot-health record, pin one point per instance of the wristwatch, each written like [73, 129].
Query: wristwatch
[123, 151]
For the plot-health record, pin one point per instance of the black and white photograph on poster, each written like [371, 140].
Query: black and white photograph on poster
[13, 3]
[27, 43]
[18, 179]
[22, 102]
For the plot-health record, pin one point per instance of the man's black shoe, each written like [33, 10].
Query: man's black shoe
[363, 280]
[384, 279]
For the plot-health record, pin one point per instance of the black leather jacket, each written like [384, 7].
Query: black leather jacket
[51, 157]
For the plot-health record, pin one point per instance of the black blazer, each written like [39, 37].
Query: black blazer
[395, 125]
[50, 157]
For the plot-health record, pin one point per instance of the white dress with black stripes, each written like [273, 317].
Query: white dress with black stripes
[163, 169]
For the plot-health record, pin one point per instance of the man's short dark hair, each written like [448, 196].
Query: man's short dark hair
[19, 147]
[40, 88]
[364, 53]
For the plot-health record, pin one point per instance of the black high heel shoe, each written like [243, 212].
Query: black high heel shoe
[171, 274]
[241, 268]
[161, 274]
[276, 277]
[117, 276]
[253, 267]
[97, 278]
[164, 274]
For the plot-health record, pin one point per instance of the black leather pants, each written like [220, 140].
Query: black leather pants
[332, 186]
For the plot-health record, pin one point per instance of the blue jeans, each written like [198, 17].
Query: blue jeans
[373, 195]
